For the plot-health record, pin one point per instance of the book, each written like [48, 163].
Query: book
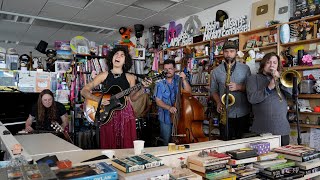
[145, 174]
[242, 161]
[243, 153]
[309, 164]
[126, 165]
[281, 166]
[281, 172]
[205, 169]
[294, 150]
[268, 156]
[303, 158]
[32, 172]
[92, 171]
[246, 171]
[206, 161]
[269, 163]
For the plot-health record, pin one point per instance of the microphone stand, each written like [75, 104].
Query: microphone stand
[295, 100]
[97, 121]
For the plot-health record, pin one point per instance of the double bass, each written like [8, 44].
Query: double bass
[188, 120]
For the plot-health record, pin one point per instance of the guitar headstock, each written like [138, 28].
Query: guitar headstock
[56, 126]
[160, 75]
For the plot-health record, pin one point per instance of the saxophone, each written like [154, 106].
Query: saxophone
[226, 98]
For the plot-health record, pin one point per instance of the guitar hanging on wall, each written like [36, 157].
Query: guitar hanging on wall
[117, 99]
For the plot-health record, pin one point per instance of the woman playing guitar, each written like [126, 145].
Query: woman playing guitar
[118, 131]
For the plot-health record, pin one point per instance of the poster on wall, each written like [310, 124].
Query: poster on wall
[262, 12]
[42, 81]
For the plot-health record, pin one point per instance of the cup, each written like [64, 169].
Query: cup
[138, 146]
[109, 153]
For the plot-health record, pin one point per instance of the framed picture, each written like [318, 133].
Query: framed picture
[62, 67]
[139, 53]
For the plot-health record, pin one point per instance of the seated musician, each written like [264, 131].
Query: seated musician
[45, 112]
[165, 95]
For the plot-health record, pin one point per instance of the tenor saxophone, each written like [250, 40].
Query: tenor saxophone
[276, 82]
[231, 98]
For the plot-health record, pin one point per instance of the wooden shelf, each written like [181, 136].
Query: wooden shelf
[306, 125]
[263, 47]
[199, 43]
[309, 41]
[201, 57]
[207, 84]
[258, 60]
[300, 68]
[312, 18]
[200, 94]
[218, 56]
[254, 31]
[173, 48]
[308, 113]
[226, 37]
[309, 96]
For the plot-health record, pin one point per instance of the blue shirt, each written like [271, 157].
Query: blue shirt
[167, 93]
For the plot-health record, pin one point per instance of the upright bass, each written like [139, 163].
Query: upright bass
[188, 120]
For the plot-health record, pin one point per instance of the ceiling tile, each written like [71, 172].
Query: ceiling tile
[180, 11]
[155, 5]
[136, 12]
[56, 11]
[86, 21]
[6, 26]
[99, 11]
[204, 4]
[125, 2]
[63, 34]
[37, 33]
[113, 38]
[45, 23]
[30, 7]
[159, 19]
[71, 3]
[11, 36]
[119, 21]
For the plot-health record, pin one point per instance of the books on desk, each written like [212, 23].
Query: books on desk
[32, 171]
[136, 163]
[92, 171]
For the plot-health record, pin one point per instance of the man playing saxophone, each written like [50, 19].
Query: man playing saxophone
[231, 75]
[268, 98]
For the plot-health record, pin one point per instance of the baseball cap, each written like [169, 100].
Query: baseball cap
[230, 45]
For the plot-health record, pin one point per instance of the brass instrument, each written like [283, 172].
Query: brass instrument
[231, 98]
[286, 79]
[287, 76]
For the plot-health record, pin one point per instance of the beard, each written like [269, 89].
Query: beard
[230, 60]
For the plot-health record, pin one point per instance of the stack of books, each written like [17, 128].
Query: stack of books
[241, 163]
[137, 163]
[212, 166]
[305, 158]
[273, 166]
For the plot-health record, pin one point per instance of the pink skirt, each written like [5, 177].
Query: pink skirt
[120, 132]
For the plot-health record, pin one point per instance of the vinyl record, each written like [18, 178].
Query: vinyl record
[78, 41]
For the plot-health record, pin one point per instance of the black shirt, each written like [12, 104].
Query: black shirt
[61, 110]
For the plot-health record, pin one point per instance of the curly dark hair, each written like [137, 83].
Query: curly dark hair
[42, 109]
[128, 59]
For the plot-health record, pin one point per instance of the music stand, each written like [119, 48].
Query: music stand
[295, 100]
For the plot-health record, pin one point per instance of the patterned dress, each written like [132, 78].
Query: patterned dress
[120, 132]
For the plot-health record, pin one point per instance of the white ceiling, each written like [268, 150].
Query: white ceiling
[51, 20]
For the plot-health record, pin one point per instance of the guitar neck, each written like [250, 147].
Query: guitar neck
[127, 91]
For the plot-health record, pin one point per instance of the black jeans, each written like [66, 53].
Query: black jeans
[237, 126]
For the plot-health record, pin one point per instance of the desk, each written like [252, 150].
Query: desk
[45, 144]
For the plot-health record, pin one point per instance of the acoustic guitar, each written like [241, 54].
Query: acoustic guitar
[56, 126]
[117, 99]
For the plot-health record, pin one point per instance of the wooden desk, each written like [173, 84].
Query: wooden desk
[45, 144]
